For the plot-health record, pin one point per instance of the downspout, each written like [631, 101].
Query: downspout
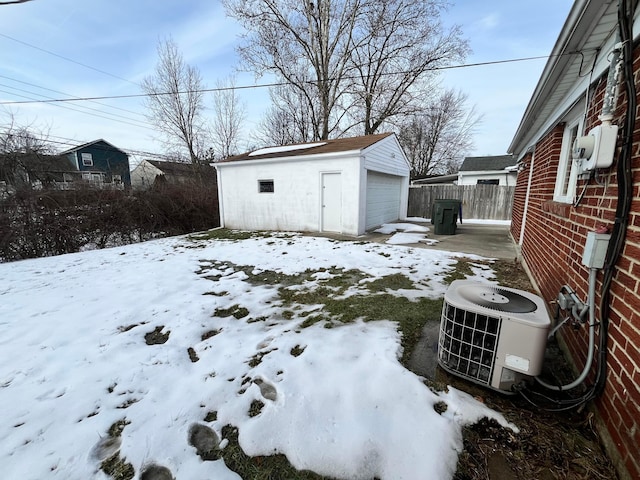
[527, 196]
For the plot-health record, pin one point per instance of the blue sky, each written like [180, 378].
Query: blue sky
[119, 38]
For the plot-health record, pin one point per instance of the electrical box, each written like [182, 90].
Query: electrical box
[595, 250]
[595, 150]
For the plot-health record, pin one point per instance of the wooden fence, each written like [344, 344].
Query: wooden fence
[488, 202]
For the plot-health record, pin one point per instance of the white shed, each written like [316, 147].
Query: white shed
[348, 185]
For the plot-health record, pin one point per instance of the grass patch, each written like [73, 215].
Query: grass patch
[225, 234]
[255, 408]
[410, 315]
[312, 319]
[235, 310]
[211, 416]
[209, 334]
[193, 356]
[297, 350]
[257, 358]
[156, 337]
[461, 271]
[397, 281]
[263, 467]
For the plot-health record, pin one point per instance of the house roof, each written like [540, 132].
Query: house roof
[584, 41]
[436, 179]
[173, 168]
[182, 169]
[489, 163]
[88, 144]
[338, 145]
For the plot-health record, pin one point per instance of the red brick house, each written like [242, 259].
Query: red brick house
[563, 193]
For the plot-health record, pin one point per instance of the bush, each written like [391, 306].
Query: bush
[38, 223]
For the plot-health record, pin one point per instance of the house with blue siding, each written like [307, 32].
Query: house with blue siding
[101, 164]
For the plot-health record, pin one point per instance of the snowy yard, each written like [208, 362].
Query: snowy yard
[140, 356]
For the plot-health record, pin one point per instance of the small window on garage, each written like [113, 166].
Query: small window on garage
[265, 186]
[489, 181]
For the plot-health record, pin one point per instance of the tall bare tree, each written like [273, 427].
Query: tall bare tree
[175, 101]
[306, 43]
[401, 43]
[229, 115]
[437, 140]
[356, 63]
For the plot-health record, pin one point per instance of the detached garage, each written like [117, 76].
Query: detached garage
[348, 185]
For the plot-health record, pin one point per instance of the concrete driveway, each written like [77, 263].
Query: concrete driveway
[484, 239]
[487, 240]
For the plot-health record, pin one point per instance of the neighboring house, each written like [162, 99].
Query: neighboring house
[148, 172]
[560, 201]
[101, 164]
[491, 170]
[347, 185]
[436, 180]
[36, 170]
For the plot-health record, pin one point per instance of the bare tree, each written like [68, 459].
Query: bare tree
[402, 42]
[229, 115]
[308, 44]
[16, 138]
[22, 147]
[437, 140]
[175, 101]
[287, 121]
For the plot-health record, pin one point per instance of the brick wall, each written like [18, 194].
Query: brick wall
[552, 248]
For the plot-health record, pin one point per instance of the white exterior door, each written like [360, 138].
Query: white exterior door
[331, 198]
[383, 199]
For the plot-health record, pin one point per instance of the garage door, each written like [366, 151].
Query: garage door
[383, 199]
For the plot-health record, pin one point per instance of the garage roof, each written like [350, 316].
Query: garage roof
[338, 145]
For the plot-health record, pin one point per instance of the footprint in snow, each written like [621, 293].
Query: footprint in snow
[106, 448]
[267, 390]
[264, 343]
[156, 472]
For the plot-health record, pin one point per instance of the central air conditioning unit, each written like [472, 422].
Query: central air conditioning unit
[492, 335]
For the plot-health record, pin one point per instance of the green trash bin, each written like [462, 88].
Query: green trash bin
[444, 216]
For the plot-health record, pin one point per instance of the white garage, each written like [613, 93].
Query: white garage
[347, 186]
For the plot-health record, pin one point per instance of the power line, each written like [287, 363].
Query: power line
[67, 59]
[66, 107]
[70, 142]
[264, 85]
[69, 95]
[138, 123]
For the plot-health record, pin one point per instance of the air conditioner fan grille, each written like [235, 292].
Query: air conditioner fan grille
[468, 342]
[497, 298]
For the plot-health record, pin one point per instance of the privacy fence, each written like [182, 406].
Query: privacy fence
[487, 202]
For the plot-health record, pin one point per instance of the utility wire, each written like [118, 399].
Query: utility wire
[68, 59]
[66, 107]
[70, 142]
[138, 122]
[69, 95]
[264, 85]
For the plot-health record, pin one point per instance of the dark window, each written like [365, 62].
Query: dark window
[489, 182]
[265, 186]
[87, 159]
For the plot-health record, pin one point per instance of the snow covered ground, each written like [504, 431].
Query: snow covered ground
[75, 361]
